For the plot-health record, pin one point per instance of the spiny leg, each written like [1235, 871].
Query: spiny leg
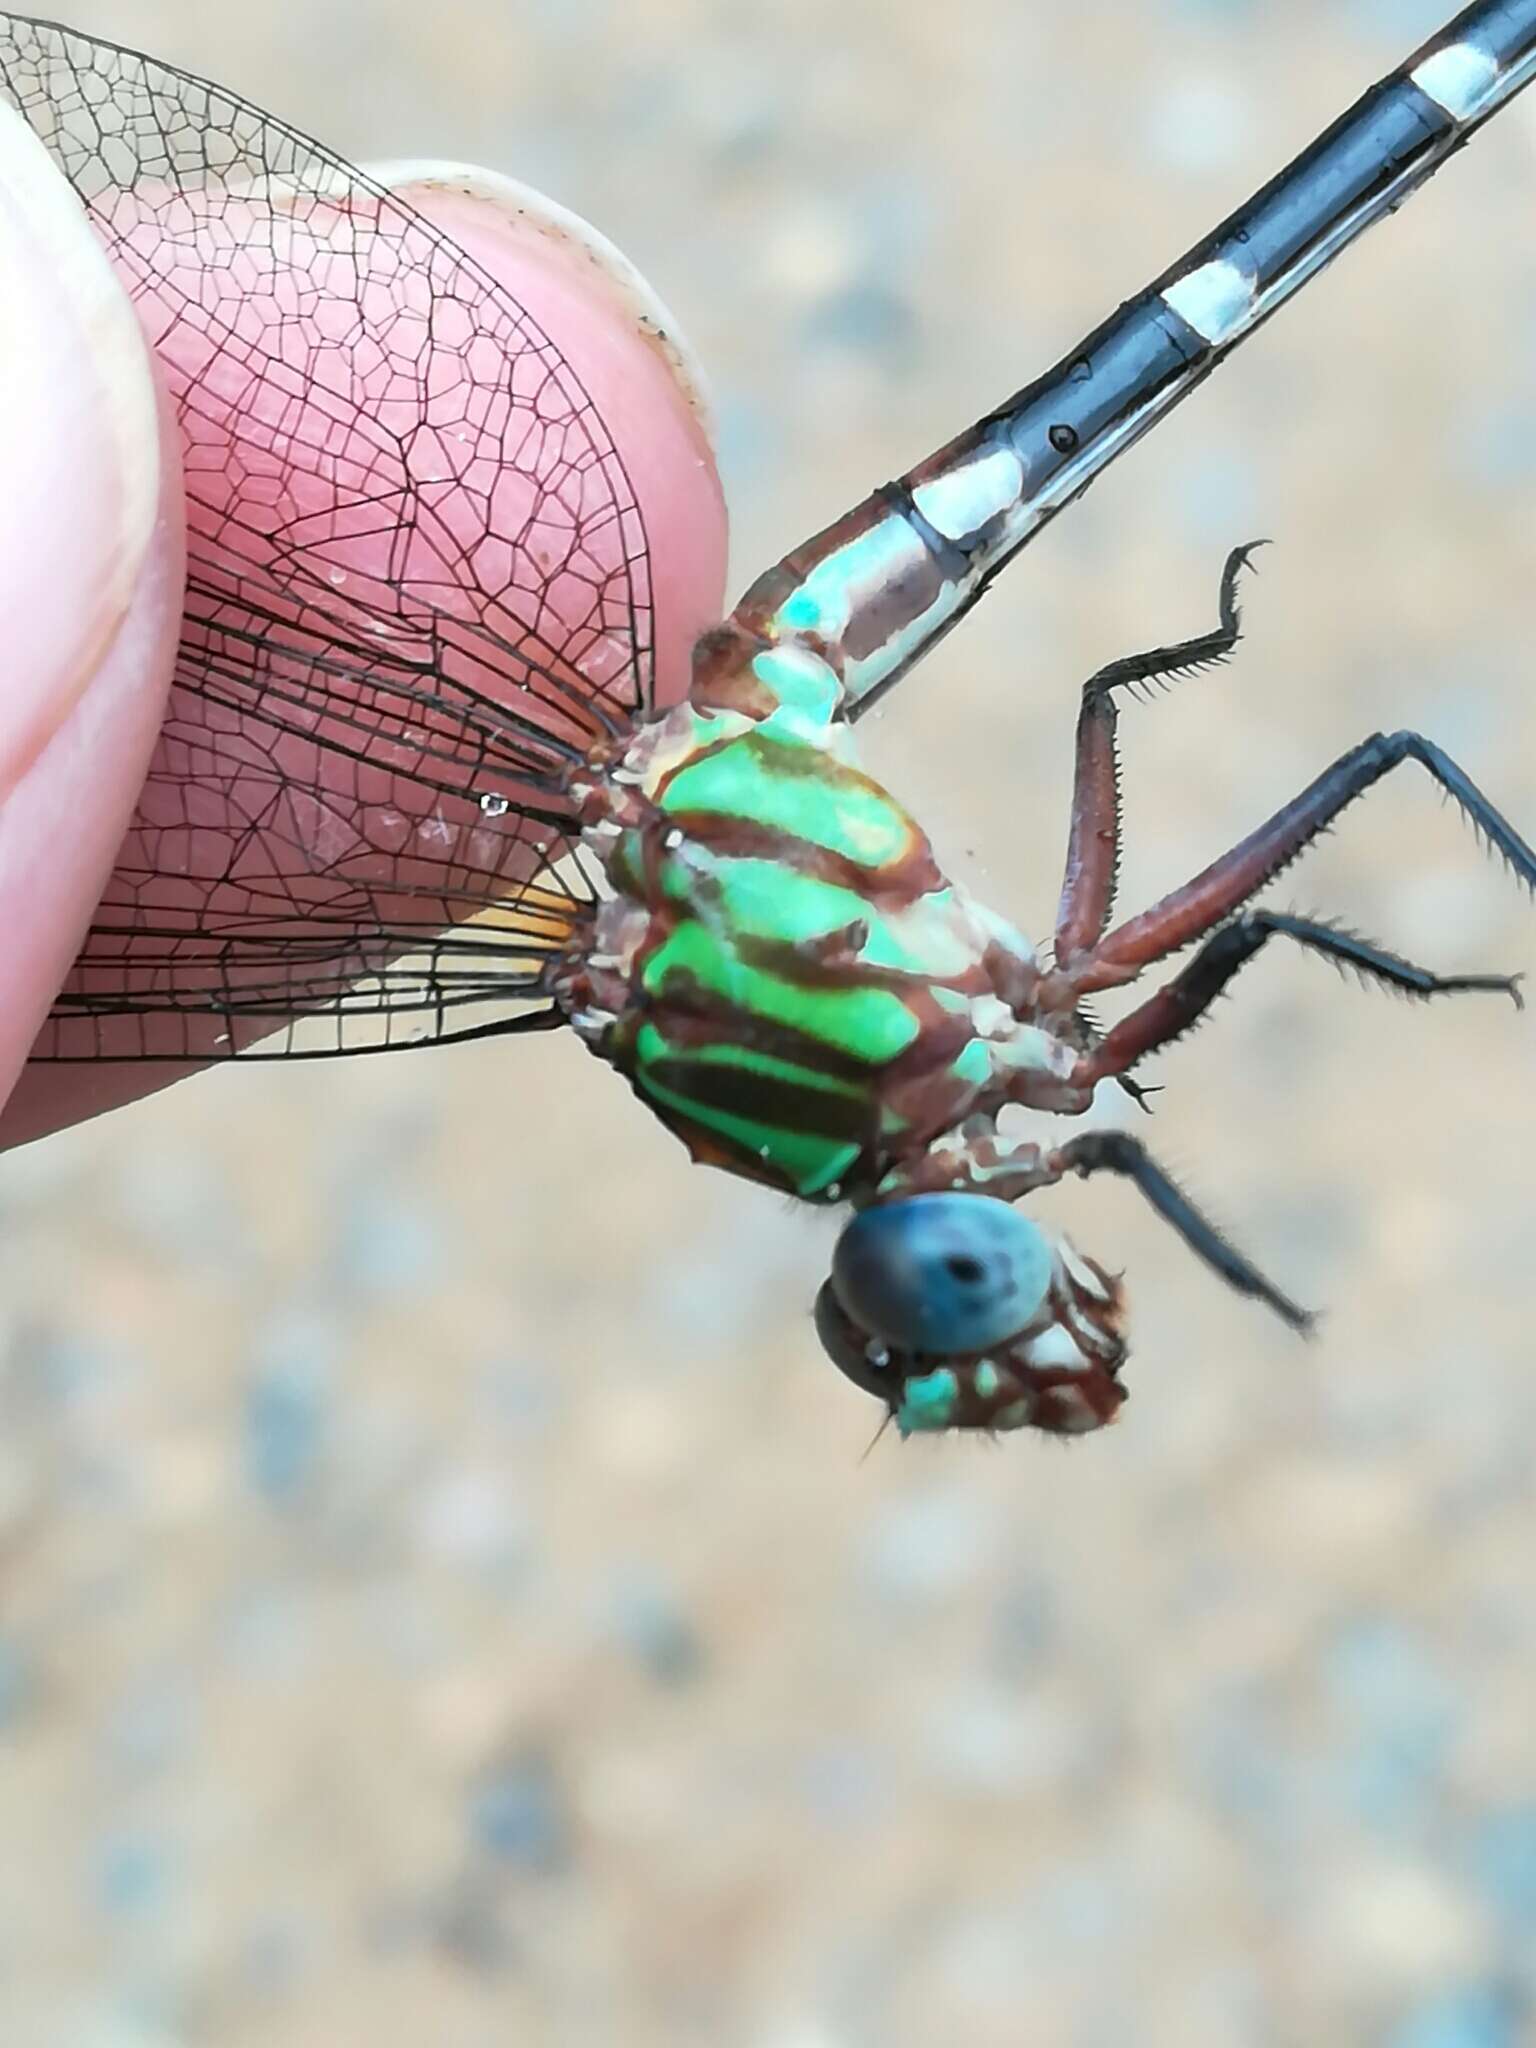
[1118, 1152]
[1168, 1014]
[1090, 1034]
[1213, 895]
[1093, 844]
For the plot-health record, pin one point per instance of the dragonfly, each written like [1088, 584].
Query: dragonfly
[415, 785]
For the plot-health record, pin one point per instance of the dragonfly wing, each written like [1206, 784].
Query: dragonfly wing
[418, 592]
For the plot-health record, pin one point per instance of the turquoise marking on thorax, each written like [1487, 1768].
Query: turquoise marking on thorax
[807, 690]
[928, 1402]
[973, 1063]
[847, 582]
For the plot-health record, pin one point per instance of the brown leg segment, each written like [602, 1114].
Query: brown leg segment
[1171, 1012]
[1213, 895]
[1093, 843]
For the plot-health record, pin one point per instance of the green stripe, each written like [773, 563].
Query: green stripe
[805, 685]
[766, 899]
[873, 1025]
[795, 789]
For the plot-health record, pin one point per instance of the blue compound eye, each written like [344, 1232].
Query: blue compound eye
[942, 1274]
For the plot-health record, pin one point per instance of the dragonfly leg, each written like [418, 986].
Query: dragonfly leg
[1093, 845]
[1192, 911]
[1118, 1152]
[1174, 1009]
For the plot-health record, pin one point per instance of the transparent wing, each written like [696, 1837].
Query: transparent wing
[418, 592]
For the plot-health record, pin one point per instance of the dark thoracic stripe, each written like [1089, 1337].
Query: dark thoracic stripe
[745, 838]
[742, 1090]
[696, 1019]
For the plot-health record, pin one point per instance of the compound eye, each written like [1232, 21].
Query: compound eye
[942, 1274]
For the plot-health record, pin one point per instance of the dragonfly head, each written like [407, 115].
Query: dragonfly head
[959, 1313]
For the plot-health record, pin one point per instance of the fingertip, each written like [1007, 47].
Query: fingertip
[80, 456]
[641, 391]
[91, 570]
[62, 822]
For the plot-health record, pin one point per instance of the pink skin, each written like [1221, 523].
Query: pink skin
[73, 758]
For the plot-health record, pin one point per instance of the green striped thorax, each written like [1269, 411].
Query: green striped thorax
[784, 973]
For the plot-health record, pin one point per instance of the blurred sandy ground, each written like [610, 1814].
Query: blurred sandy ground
[443, 1600]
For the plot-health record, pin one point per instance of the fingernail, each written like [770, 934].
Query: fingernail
[79, 455]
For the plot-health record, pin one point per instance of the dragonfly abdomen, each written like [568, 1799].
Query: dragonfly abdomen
[878, 587]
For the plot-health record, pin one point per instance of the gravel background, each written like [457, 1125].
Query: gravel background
[443, 1600]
